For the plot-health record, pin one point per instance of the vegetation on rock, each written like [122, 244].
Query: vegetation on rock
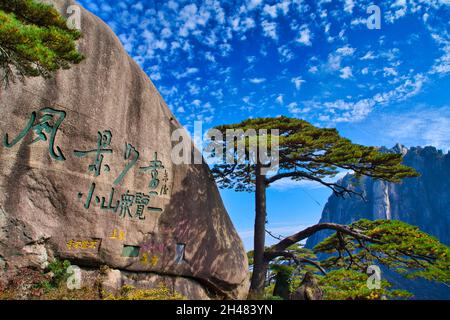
[129, 292]
[34, 40]
[51, 284]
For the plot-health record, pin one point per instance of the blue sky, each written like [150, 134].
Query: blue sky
[225, 61]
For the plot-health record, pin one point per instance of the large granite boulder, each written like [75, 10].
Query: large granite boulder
[86, 175]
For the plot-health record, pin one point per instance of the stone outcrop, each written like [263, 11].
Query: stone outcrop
[422, 201]
[86, 175]
[309, 289]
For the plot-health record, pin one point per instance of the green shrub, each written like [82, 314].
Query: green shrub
[60, 275]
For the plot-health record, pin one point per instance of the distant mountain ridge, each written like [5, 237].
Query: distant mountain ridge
[423, 201]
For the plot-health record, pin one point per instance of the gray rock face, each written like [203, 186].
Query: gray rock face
[86, 175]
[422, 201]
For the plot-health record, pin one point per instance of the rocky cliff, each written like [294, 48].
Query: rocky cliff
[86, 175]
[422, 201]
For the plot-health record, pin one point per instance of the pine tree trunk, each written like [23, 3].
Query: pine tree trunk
[260, 265]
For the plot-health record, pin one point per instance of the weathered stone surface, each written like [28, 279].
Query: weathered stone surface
[114, 280]
[44, 211]
[309, 289]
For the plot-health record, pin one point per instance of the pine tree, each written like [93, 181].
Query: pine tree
[34, 40]
[305, 153]
[346, 256]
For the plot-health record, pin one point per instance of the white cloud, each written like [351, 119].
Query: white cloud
[193, 88]
[348, 6]
[359, 21]
[186, 73]
[297, 81]
[295, 110]
[422, 125]
[271, 11]
[252, 4]
[335, 60]
[155, 76]
[286, 53]
[279, 99]
[172, 5]
[106, 8]
[210, 56]
[205, 32]
[247, 24]
[442, 64]
[345, 51]
[209, 119]
[138, 6]
[399, 3]
[269, 29]
[368, 56]
[287, 184]
[166, 33]
[389, 72]
[257, 80]
[251, 59]
[168, 91]
[160, 44]
[353, 111]
[346, 73]
[313, 69]
[305, 36]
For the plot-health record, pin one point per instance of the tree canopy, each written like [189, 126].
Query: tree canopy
[307, 152]
[392, 243]
[34, 40]
[351, 250]
[346, 284]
